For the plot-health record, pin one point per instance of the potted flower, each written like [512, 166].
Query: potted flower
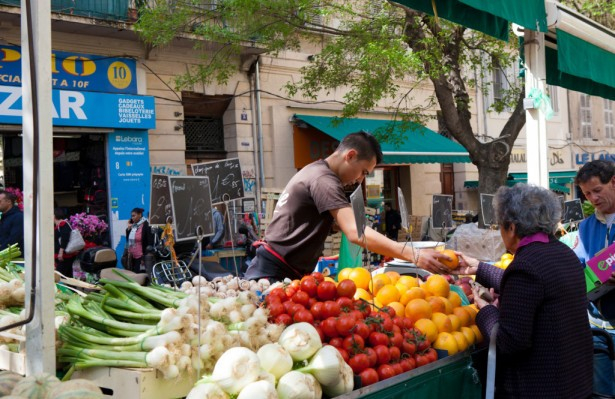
[90, 227]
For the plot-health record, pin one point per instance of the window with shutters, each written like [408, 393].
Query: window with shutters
[552, 91]
[585, 114]
[609, 123]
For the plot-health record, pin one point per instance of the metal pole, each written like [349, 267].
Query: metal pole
[40, 333]
[259, 114]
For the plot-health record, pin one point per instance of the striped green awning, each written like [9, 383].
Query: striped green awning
[421, 145]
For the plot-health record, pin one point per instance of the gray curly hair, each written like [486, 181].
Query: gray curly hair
[530, 208]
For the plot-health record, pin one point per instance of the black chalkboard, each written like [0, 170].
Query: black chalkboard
[358, 208]
[486, 209]
[442, 211]
[573, 211]
[225, 178]
[160, 207]
[191, 200]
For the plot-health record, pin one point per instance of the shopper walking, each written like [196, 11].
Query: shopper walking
[138, 238]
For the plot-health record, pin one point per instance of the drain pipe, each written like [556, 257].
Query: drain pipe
[255, 150]
[259, 114]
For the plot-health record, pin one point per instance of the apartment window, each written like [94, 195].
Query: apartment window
[586, 116]
[204, 134]
[500, 84]
[609, 123]
[552, 90]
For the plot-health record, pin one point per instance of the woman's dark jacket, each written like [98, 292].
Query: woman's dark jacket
[544, 342]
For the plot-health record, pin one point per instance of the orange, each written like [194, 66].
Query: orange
[361, 277]
[453, 263]
[477, 333]
[412, 293]
[378, 281]
[344, 274]
[469, 334]
[418, 309]
[464, 317]
[394, 276]
[506, 256]
[454, 298]
[437, 304]
[408, 281]
[448, 306]
[327, 278]
[437, 285]
[388, 294]
[362, 294]
[504, 264]
[455, 322]
[442, 322]
[401, 287]
[472, 312]
[462, 342]
[428, 328]
[446, 341]
[400, 310]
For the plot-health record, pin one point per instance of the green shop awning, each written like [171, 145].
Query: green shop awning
[527, 13]
[421, 145]
[556, 180]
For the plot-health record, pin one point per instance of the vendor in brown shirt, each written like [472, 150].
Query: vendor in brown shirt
[312, 200]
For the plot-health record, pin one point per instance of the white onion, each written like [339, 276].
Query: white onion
[236, 368]
[296, 385]
[275, 359]
[258, 390]
[301, 340]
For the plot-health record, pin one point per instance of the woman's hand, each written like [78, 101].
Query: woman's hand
[61, 255]
[429, 260]
[480, 302]
[467, 264]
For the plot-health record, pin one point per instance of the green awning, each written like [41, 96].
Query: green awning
[421, 145]
[456, 11]
[527, 13]
[556, 180]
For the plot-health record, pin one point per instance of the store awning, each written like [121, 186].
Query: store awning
[421, 145]
[557, 180]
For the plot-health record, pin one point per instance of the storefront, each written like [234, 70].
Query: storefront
[100, 145]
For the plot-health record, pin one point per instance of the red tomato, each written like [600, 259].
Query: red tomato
[421, 360]
[368, 376]
[362, 329]
[422, 344]
[337, 342]
[295, 308]
[316, 310]
[311, 301]
[329, 327]
[309, 285]
[408, 346]
[371, 355]
[279, 293]
[398, 321]
[275, 309]
[353, 344]
[346, 289]
[318, 276]
[387, 323]
[346, 304]
[344, 354]
[363, 307]
[326, 291]
[431, 354]
[388, 310]
[358, 316]
[395, 353]
[384, 356]
[408, 323]
[303, 315]
[291, 290]
[344, 325]
[408, 363]
[320, 333]
[397, 340]
[331, 309]
[385, 371]
[284, 319]
[358, 363]
[301, 297]
[378, 338]
[396, 329]
[398, 368]
[287, 305]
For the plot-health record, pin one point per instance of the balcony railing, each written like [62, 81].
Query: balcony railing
[114, 10]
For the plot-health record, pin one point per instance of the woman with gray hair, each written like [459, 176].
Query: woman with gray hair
[543, 341]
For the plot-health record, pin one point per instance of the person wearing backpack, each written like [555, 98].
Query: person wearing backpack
[61, 234]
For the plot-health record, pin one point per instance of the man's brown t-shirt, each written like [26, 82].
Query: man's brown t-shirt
[301, 219]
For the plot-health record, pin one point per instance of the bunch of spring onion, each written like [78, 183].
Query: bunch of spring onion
[296, 367]
[224, 287]
[134, 326]
[12, 291]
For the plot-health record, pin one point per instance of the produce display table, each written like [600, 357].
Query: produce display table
[447, 378]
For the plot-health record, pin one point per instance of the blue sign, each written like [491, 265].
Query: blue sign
[85, 109]
[129, 180]
[583, 158]
[73, 71]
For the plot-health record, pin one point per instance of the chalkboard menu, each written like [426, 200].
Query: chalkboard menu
[442, 211]
[358, 208]
[573, 211]
[191, 200]
[225, 178]
[160, 200]
[486, 209]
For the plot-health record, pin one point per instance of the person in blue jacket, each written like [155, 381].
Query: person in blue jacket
[217, 240]
[11, 221]
[596, 179]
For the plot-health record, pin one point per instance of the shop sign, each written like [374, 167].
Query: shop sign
[85, 109]
[73, 71]
[585, 157]
[129, 180]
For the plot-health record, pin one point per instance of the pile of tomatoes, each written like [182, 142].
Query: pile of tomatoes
[376, 343]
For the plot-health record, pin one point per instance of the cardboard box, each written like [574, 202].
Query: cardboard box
[602, 266]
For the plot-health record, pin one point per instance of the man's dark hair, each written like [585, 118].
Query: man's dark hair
[388, 204]
[366, 145]
[9, 195]
[603, 170]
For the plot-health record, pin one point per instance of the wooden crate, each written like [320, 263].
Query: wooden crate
[15, 362]
[270, 196]
[122, 383]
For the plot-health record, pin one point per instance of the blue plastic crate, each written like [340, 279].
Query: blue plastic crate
[329, 264]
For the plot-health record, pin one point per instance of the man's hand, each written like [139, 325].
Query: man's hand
[429, 260]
